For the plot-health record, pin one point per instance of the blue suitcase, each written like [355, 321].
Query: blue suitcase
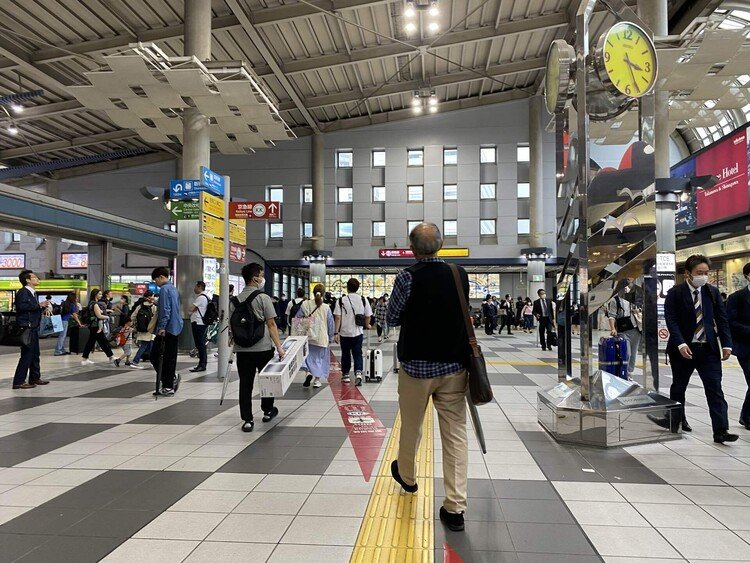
[614, 353]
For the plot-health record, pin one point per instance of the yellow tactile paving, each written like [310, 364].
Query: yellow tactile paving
[399, 527]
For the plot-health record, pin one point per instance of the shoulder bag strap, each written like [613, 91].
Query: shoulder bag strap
[465, 311]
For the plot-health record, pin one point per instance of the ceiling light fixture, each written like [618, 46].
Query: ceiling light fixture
[433, 27]
[434, 12]
[12, 129]
[17, 108]
[410, 12]
[424, 99]
[410, 27]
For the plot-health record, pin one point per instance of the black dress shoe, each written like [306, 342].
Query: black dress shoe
[664, 422]
[724, 436]
[308, 379]
[454, 522]
[397, 476]
[198, 368]
[267, 417]
[686, 427]
[248, 426]
[745, 423]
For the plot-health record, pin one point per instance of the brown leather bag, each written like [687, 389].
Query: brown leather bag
[480, 390]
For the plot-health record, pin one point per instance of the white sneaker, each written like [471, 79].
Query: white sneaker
[380, 339]
[345, 379]
[135, 366]
[316, 382]
[87, 362]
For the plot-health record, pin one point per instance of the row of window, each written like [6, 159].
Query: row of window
[345, 229]
[414, 193]
[415, 157]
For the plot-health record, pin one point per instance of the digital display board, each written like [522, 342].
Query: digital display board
[12, 261]
[727, 159]
[75, 260]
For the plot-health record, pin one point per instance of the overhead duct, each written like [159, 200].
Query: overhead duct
[19, 171]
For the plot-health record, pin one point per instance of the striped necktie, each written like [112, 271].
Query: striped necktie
[700, 333]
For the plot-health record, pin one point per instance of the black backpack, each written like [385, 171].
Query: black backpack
[246, 329]
[143, 318]
[212, 312]
[87, 316]
[294, 310]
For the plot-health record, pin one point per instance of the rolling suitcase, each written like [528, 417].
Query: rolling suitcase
[614, 353]
[374, 366]
[78, 337]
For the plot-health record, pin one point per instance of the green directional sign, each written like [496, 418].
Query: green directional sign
[185, 210]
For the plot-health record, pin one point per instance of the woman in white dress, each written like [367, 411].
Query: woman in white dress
[320, 334]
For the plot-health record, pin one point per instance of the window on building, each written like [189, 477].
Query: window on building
[487, 155]
[487, 227]
[450, 192]
[450, 156]
[346, 195]
[410, 226]
[415, 193]
[345, 159]
[378, 159]
[523, 189]
[415, 157]
[378, 228]
[16, 237]
[345, 230]
[276, 193]
[486, 191]
[523, 153]
[276, 230]
[378, 193]
[524, 226]
[450, 228]
[307, 195]
[307, 230]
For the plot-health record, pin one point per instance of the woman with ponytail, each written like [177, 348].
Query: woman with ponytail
[319, 336]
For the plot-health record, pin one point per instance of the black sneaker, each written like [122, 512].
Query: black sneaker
[308, 379]
[397, 476]
[248, 426]
[269, 416]
[454, 522]
[117, 362]
[724, 436]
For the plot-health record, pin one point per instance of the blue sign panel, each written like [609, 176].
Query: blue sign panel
[184, 189]
[212, 182]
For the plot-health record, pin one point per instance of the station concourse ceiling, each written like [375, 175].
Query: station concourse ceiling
[336, 64]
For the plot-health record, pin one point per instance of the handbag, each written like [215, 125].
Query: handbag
[622, 324]
[46, 326]
[19, 335]
[480, 390]
[307, 326]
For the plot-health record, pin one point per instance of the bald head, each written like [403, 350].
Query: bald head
[426, 239]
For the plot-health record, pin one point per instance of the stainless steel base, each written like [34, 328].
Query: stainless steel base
[621, 413]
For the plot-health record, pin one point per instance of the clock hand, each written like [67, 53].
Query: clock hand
[632, 74]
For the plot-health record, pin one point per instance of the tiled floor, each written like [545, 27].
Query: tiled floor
[93, 468]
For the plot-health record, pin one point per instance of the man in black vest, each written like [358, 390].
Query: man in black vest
[738, 311]
[432, 365]
[544, 312]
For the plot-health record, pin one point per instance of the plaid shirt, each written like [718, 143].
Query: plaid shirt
[420, 369]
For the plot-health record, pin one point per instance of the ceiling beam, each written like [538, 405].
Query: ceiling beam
[48, 79]
[407, 113]
[496, 71]
[48, 110]
[288, 12]
[505, 29]
[688, 11]
[65, 144]
[268, 56]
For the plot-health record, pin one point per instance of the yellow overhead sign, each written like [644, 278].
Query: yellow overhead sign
[453, 252]
[237, 233]
[210, 225]
[212, 205]
[211, 246]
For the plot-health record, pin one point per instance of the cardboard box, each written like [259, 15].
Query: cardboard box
[277, 376]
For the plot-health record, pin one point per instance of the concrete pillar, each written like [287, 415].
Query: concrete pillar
[535, 267]
[318, 267]
[196, 152]
[100, 265]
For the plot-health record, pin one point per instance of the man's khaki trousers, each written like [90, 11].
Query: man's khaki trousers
[448, 395]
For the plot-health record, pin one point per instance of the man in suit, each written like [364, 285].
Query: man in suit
[29, 314]
[695, 314]
[738, 311]
[543, 310]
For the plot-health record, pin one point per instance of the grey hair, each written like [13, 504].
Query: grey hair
[426, 239]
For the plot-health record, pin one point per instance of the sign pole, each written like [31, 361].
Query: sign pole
[224, 350]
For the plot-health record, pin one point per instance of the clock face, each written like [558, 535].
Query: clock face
[560, 59]
[626, 59]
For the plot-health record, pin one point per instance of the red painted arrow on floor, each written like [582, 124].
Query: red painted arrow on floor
[366, 432]
[450, 556]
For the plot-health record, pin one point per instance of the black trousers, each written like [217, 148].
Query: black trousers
[505, 320]
[545, 329]
[489, 325]
[708, 364]
[165, 346]
[248, 364]
[28, 363]
[745, 365]
[199, 337]
[96, 336]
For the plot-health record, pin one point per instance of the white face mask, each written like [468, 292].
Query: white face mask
[700, 281]
[627, 289]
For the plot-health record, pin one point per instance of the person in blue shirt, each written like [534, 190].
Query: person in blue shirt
[168, 329]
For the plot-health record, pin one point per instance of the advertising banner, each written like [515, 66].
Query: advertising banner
[75, 260]
[13, 261]
[729, 197]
